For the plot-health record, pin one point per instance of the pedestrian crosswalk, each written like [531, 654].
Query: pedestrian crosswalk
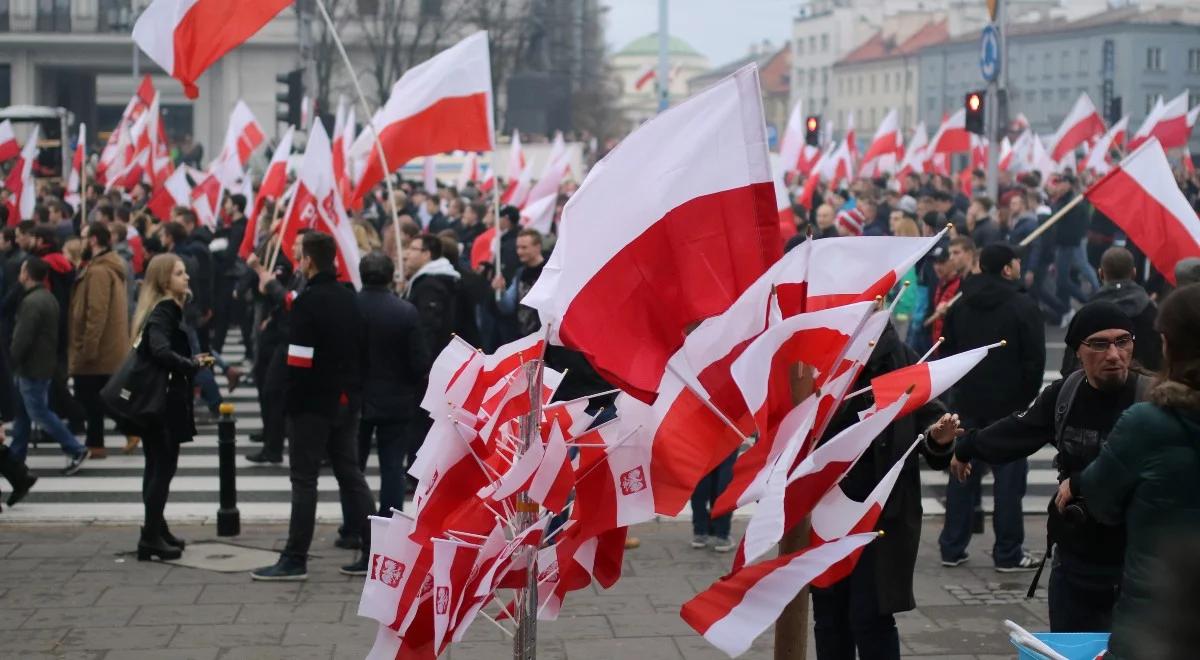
[109, 490]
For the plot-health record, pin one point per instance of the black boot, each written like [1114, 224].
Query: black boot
[151, 544]
[171, 539]
[17, 474]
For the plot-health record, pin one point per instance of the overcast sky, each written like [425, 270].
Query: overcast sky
[720, 29]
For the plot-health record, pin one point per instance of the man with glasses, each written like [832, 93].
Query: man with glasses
[1075, 414]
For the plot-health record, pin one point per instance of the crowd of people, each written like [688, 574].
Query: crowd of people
[339, 372]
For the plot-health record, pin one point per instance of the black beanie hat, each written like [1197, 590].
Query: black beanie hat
[1096, 317]
[993, 258]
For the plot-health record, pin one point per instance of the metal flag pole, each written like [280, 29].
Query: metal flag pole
[525, 640]
[367, 115]
[496, 214]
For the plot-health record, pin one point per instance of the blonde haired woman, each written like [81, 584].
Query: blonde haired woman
[158, 332]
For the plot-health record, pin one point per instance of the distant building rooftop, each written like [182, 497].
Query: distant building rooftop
[879, 47]
[648, 45]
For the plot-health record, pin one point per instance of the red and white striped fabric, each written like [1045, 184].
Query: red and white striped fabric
[792, 145]
[735, 610]
[783, 203]
[887, 140]
[9, 147]
[614, 487]
[452, 564]
[20, 183]
[317, 205]
[849, 222]
[274, 184]
[205, 200]
[343, 138]
[914, 155]
[300, 356]
[186, 36]
[517, 190]
[1141, 197]
[539, 214]
[243, 136]
[929, 379]
[645, 77]
[557, 166]
[516, 157]
[837, 517]
[632, 270]
[552, 482]
[1167, 122]
[75, 176]
[1080, 125]
[392, 564]
[469, 171]
[442, 104]
[952, 136]
[175, 191]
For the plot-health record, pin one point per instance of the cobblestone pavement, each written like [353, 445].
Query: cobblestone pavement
[77, 592]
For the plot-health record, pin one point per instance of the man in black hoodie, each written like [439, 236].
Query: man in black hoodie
[1119, 276]
[1069, 251]
[993, 309]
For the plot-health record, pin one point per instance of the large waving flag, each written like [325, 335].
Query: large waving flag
[887, 140]
[20, 182]
[791, 147]
[440, 105]
[274, 183]
[9, 147]
[952, 135]
[635, 265]
[1081, 124]
[1141, 197]
[186, 36]
[1168, 122]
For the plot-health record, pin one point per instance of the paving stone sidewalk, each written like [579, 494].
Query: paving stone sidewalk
[78, 592]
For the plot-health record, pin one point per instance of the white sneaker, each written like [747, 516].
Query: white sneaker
[699, 542]
[1026, 564]
[723, 545]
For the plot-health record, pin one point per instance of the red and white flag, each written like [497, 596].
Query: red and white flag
[792, 145]
[914, 155]
[735, 610]
[952, 136]
[442, 104]
[553, 173]
[469, 171]
[783, 203]
[186, 36]
[175, 191]
[1167, 122]
[928, 379]
[274, 184]
[75, 176]
[9, 147]
[392, 564]
[516, 157]
[539, 214]
[645, 77]
[621, 252]
[20, 183]
[1080, 125]
[343, 138]
[243, 136]
[1141, 197]
[317, 205]
[887, 140]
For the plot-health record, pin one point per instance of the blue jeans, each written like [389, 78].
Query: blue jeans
[1007, 518]
[210, 393]
[33, 405]
[1067, 257]
[706, 494]
[1039, 263]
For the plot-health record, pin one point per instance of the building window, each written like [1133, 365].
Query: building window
[1046, 66]
[54, 16]
[1083, 62]
[799, 46]
[1064, 94]
[824, 43]
[907, 81]
[1194, 60]
[1154, 59]
[4, 28]
[872, 124]
[812, 44]
[872, 83]
[812, 77]
[1065, 66]
[1151, 99]
[887, 83]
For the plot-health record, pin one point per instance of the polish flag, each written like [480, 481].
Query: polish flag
[647, 74]
[851, 140]
[1080, 125]
[792, 145]
[20, 183]
[539, 214]
[1168, 122]
[175, 191]
[952, 136]
[186, 36]
[614, 484]
[809, 157]
[392, 564]
[75, 176]
[621, 252]
[452, 564]
[317, 205]
[517, 191]
[732, 612]
[442, 104]
[1141, 197]
[9, 148]
[552, 483]
[343, 138]
[484, 248]
[274, 183]
[205, 200]
[243, 136]
[469, 171]
[837, 517]
[516, 157]
[887, 139]
[783, 202]
[914, 155]
[487, 179]
[553, 174]
[928, 380]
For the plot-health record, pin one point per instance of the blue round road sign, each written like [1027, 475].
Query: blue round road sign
[989, 53]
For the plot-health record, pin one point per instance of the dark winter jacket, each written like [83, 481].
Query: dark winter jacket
[201, 282]
[167, 345]
[1146, 477]
[1072, 228]
[1137, 305]
[1022, 226]
[986, 232]
[60, 281]
[895, 553]
[992, 309]
[325, 349]
[434, 290]
[35, 337]
[398, 358]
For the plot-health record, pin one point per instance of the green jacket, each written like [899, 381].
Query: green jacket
[1146, 477]
[34, 350]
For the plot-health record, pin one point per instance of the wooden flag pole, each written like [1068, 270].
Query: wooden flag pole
[367, 114]
[791, 628]
[1051, 220]
[496, 214]
[279, 235]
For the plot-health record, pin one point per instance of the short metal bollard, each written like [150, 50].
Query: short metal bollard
[229, 519]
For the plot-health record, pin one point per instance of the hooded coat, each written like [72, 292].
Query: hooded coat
[434, 290]
[98, 332]
[1137, 305]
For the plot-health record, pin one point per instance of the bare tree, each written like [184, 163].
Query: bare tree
[505, 22]
[326, 59]
[399, 34]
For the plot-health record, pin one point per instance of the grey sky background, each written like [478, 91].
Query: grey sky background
[720, 29]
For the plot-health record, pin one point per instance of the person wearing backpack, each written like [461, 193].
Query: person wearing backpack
[1076, 414]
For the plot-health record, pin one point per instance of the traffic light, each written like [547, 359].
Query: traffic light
[290, 97]
[812, 131]
[974, 106]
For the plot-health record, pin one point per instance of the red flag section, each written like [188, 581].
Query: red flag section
[274, 183]
[186, 36]
[1141, 197]
[1080, 125]
[634, 266]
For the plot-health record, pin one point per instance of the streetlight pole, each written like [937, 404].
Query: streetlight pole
[664, 45]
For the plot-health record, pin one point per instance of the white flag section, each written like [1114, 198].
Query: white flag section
[22, 174]
[792, 145]
[539, 214]
[734, 611]
[317, 204]
[1081, 124]
[1097, 160]
[390, 567]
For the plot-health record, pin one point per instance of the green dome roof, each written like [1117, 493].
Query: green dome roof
[648, 45]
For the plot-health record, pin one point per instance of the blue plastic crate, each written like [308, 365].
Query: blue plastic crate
[1074, 646]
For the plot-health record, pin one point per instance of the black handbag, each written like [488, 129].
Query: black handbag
[137, 393]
